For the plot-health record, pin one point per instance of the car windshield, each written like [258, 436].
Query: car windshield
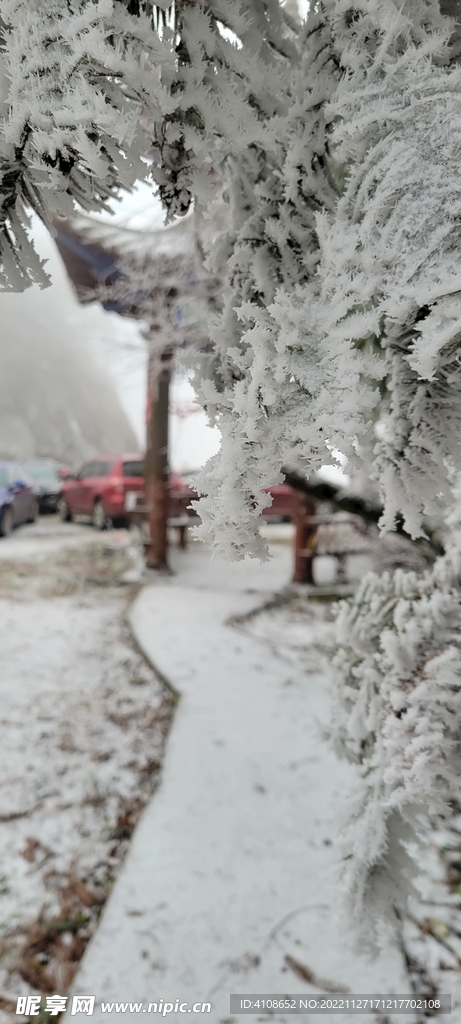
[133, 468]
[40, 470]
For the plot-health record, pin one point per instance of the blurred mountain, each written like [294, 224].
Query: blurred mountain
[55, 399]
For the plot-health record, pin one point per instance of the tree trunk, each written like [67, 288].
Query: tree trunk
[304, 538]
[156, 462]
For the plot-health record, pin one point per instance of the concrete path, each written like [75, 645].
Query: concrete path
[231, 868]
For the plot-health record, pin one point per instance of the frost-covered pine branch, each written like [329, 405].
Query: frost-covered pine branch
[232, 63]
[398, 717]
[80, 76]
[314, 341]
[389, 267]
[389, 274]
[262, 378]
[375, 300]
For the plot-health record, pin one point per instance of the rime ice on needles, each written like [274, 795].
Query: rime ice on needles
[389, 273]
[389, 252]
[398, 716]
[265, 370]
[80, 75]
[373, 297]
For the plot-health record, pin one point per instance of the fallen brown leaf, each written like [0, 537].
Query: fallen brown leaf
[305, 972]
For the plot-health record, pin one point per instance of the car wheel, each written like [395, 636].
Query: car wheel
[64, 512]
[99, 519]
[33, 512]
[6, 522]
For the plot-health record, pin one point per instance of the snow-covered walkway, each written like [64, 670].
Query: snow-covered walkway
[230, 869]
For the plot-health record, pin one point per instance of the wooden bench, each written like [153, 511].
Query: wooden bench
[180, 521]
[318, 535]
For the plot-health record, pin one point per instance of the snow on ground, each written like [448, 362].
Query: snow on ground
[83, 720]
[229, 883]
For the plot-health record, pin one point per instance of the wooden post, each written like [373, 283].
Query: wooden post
[304, 538]
[156, 463]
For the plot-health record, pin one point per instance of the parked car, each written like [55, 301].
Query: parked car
[44, 477]
[103, 490]
[18, 503]
[100, 489]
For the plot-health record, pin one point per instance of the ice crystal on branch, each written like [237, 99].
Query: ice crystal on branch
[389, 267]
[398, 716]
[389, 274]
[80, 76]
[265, 377]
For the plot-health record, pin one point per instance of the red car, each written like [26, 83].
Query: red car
[100, 489]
